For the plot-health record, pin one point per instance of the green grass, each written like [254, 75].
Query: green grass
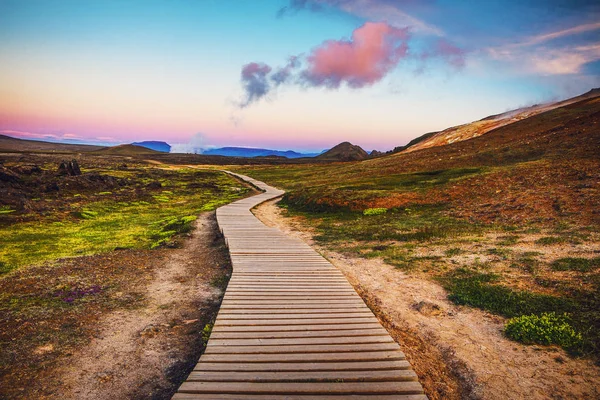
[481, 290]
[106, 225]
[545, 329]
[374, 211]
[6, 210]
[471, 287]
[575, 264]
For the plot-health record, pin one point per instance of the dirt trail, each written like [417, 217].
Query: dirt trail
[458, 352]
[145, 353]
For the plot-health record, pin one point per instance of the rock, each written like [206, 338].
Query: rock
[8, 176]
[154, 185]
[70, 168]
[51, 187]
[427, 308]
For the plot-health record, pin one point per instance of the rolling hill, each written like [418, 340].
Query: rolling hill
[485, 125]
[126, 150]
[11, 144]
[344, 151]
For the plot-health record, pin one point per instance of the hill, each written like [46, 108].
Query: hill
[126, 150]
[344, 151]
[485, 125]
[252, 152]
[11, 144]
[506, 222]
[154, 145]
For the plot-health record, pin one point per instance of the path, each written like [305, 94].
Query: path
[291, 326]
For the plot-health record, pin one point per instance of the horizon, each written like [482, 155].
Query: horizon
[283, 75]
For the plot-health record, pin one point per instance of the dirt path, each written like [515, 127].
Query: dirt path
[146, 352]
[458, 352]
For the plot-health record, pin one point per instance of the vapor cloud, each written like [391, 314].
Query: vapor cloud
[373, 51]
[255, 82]
[194, 146]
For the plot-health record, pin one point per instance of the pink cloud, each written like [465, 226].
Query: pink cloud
[374, 50]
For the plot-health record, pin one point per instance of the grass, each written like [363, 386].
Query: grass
[529, 311]
[575, 264]
[480, 290]
[550, 240]
[105, 225]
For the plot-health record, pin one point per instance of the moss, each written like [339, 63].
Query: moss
[104, 225]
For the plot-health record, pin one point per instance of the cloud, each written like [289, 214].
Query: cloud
[194, 146]
[375, 49]
[558, 34]
[255, 82]
[372, 52]
[283, 74]
[454, 55]
[388, 11]
[537, 55]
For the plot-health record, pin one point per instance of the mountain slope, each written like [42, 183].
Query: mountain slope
[542, 168]
[344, 151]
[154, 145]
[485, 125]
[126, 150]
[11, 144]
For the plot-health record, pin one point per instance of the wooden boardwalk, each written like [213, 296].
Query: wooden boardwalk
[291, 326]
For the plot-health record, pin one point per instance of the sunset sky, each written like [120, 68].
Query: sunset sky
[300, 75]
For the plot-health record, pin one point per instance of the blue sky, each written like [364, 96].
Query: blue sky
[377, 73]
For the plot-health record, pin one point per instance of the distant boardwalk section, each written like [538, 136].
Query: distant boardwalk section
[291, 326]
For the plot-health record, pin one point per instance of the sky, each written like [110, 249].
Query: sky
[301, 74]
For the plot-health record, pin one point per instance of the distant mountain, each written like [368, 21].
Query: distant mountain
[251, 152]
[126, 150]
[8, 143]
[344, 151]
[485, 125]
[154, 145]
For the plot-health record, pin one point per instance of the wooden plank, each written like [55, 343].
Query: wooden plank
[307, 322]
[291, 349]
[299, 334]
[303, 366]
[290, 328]
[220, 396]
[301, 341]
[257, 317]
[339, 388]
[307, 376]
[305, 357]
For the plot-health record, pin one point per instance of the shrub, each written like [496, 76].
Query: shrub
[206, 333]
[374, 211]
[545, 329]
